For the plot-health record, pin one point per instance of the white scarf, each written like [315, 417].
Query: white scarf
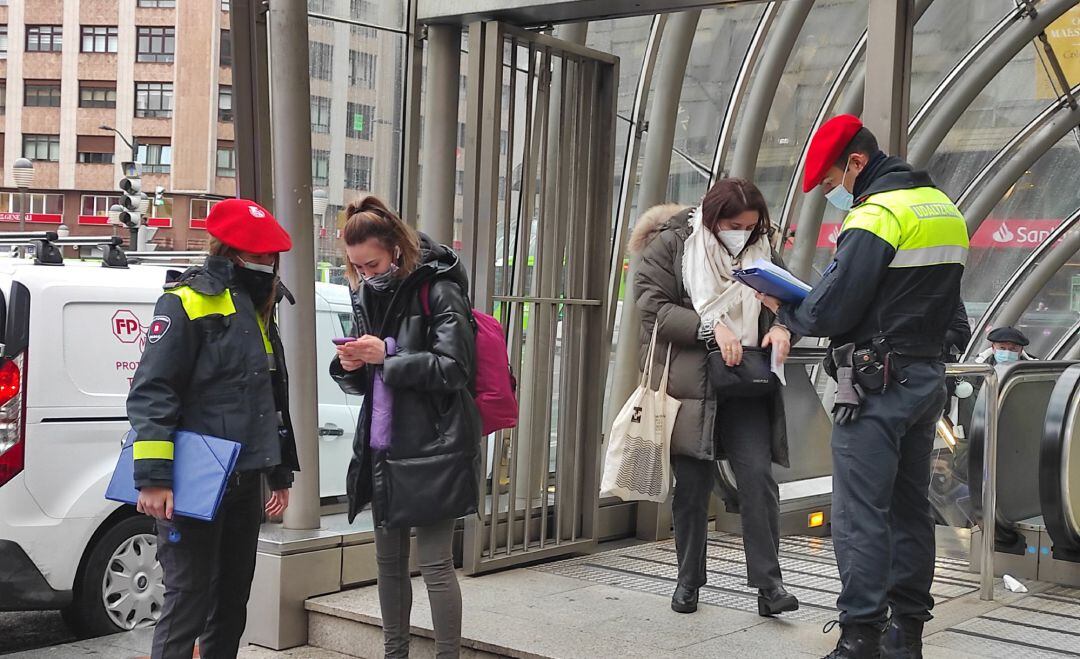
[717, 296]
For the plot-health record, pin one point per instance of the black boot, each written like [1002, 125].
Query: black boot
[902, 639]
[772, 601]
[856, 642]
[684, 600]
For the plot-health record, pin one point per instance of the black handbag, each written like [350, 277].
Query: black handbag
[751, 378]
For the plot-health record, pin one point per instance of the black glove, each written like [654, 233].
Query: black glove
[849, 395]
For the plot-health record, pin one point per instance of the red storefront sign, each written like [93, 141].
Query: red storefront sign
[39, 218]
[198, 223]
[103, 220]
[992, 234]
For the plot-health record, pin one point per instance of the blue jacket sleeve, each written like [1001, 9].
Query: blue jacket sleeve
[844, 294]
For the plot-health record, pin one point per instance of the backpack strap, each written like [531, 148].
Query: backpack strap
[425, 298]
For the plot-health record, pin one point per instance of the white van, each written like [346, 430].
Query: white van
[72, 336]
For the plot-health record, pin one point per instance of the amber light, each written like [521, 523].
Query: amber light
[815, 519]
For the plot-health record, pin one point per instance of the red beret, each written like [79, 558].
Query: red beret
[826, 146]
[248, 227]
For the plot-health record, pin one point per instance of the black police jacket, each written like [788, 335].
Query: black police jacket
[431, 471]
[206, 369]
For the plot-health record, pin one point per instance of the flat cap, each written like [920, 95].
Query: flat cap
[1007, 335]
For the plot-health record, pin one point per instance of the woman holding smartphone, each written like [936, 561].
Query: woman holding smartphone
[417, 448]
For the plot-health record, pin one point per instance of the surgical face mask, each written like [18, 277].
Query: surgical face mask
[1006, 356]
[257, 267]
[839, 196]
[734, 240]
[382, 282]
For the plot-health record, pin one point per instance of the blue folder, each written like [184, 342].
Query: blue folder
[201, 468]
[768, 283]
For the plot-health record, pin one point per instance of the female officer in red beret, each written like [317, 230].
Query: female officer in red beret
[213, 364]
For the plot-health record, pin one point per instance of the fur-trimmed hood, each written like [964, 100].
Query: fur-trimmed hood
[650, 223]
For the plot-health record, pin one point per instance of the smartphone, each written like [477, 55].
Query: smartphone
[343, 340]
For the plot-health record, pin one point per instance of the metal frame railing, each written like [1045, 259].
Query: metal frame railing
[991, 391]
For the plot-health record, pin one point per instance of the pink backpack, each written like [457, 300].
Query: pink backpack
[495, 385]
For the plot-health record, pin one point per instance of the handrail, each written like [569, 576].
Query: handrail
[991, 390]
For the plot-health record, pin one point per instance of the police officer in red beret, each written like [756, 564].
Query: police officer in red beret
[886, 302]
[213, 364]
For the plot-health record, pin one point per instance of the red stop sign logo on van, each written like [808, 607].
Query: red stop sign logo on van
[125, 326]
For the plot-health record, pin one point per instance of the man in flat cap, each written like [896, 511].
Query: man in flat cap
[1006, 346]
[886, 302]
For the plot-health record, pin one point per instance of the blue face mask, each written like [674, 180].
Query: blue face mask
[1006, 356]
[839, 196]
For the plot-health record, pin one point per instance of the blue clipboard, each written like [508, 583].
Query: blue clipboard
[202, 465]
[768, 283]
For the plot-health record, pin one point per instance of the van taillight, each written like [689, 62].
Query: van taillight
[12, 426]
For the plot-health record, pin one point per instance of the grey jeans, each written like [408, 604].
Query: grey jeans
[435, 547]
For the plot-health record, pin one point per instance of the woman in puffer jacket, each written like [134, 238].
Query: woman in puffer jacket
[686, 289]
[417, 448]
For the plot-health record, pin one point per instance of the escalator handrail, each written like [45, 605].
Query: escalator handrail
[1061, 416]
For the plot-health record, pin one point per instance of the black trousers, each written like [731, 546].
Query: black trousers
[882, 523]
[208, 571]
[744, 431]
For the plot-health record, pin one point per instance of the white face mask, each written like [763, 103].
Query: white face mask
[734, 240]
[839, 196]
[257, 267]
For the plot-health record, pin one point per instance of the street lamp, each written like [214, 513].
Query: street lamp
[132, 143]
[23, 173]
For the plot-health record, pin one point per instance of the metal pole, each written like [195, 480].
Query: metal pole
[967, 88]
[989, 483]
[440, 133]
[888, 72]
[289, 99]
[675, 44]
[765, 81]
[24, 194]
[1034, 282]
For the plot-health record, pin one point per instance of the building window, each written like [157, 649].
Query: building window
[42, 94]
[320, 114]
[153, 99]
[226, 48]
[163, 4]
[99, 38]
[459, 182]
[357, 172]
[319, 6]
[156, 44]
[361, 69]
[3, 99]
[226, 5]
[226, 161]
[44, 38]
[155, 158]
[224, 103]
[48, 204]
[320, 60]
[3, 42]
[89, 158]
[97, 204]
[41, 147]
[97, 97]
[360, 119]
[362, 10]
[320, 167]
[200, 208]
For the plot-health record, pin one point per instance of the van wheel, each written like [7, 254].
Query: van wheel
[120, 587]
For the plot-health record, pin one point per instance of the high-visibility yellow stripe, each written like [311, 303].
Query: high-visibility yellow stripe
[265, 335]
[153, 450]
[940, 255]
[198, 305]
[877, 220]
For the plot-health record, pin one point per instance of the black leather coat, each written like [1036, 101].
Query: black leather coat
[431, 471]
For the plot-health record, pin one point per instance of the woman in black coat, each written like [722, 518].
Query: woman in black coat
[417, 448]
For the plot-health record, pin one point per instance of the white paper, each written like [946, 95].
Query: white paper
[777, 368]
[1012, 585]
[769, 266]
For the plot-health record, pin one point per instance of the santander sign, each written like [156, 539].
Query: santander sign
[992, 234]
